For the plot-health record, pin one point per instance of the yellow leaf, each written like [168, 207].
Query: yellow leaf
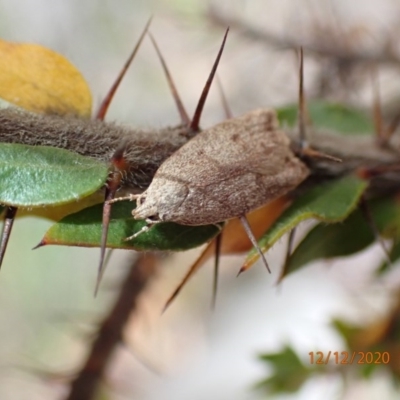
[40, 80]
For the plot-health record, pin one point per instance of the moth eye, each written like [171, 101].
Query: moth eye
[140, 200]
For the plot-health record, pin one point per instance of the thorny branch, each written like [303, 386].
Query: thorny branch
[85, 385]
[355, 152]
[360, 154]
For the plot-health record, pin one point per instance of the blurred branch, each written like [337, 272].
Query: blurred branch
[85, 385]
[336, 47]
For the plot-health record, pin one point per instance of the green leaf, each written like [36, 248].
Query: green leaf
[84, 229]
[340, 118]
[289, 374]
[33, 176]
[330, 202]
[350, 237]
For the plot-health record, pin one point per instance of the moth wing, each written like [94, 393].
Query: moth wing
[251, 143]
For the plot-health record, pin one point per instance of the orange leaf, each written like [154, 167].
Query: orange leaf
[40, 80]
[234, 237]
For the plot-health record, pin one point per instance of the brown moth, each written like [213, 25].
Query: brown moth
[222, 173]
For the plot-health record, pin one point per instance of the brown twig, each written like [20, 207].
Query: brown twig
[85, 385]
[317, 47]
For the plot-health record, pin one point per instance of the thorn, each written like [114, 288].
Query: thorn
[227, 110]
[218, 242]
[101, 113]
[195, 266]
[393, 127]
[308, 151]
[305, 149]
[302, 104]
[377, 110]
[40, 244]
[115, 177]
[365, 209]
[289, 251]
[194, 125]
[181, 109]
[6, 232]
[253, 240]
[118, 160]
[104, 235]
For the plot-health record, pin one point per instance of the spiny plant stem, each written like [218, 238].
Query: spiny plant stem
[109, 335]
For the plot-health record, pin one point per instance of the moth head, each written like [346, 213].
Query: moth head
[161, 201]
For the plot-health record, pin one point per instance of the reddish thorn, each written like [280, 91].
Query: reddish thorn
[118, 159]
[181, 109]
[112, 186]
[6, 232]
[194, 125]
[242, 269]
[377, 110]
[179, 288]
[309, 152]
[393, 126]
[40, 244]
[101, 113]
[195, 266]
[302, 103]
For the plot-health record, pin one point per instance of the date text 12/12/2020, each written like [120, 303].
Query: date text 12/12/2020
[346, 357]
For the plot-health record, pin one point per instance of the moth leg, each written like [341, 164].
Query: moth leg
[147, 227]
[130, 197]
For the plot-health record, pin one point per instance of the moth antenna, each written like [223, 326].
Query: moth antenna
[253, 240]
[217, 255]
[377, 110]
[194, 125]
[302, 104]
[101, 112]
[289, 251]
[181, 109]
[119, 164]
[225, 105]
[366, 210]
[6, 232]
